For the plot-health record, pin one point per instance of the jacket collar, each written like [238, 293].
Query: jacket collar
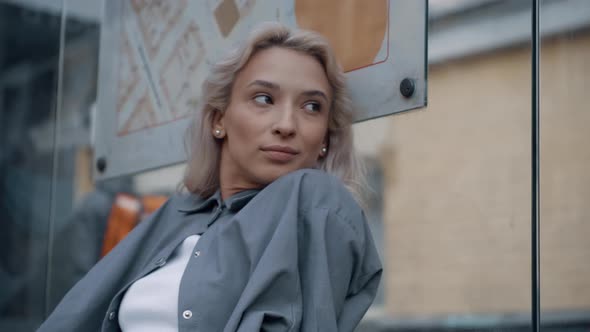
[192, 203]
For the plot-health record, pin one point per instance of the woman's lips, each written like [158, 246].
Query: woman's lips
[278, 153]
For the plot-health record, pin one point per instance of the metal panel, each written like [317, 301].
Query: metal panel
[155, 54]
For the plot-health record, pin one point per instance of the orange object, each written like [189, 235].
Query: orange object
[127, 211]
[356, 29]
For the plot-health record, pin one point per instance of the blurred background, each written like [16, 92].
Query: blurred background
[450, 202]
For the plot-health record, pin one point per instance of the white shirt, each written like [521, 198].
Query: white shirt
[151, 303]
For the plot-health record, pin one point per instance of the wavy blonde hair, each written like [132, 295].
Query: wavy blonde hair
[202, 172]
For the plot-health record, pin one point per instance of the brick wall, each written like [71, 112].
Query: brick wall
[457, 186]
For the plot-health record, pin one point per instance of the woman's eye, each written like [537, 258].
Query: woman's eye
[313, 107]
[263, 99]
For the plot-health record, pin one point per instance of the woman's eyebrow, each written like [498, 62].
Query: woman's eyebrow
[266, 84]
[315, 93]
[274, 86]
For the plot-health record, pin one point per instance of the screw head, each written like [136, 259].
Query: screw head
[407, 87]
[101, 164]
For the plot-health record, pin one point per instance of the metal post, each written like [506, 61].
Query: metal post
[535, 262]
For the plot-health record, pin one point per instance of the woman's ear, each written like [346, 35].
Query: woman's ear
[218, 129]
[324, 148]
[323, 151]
[325, 145]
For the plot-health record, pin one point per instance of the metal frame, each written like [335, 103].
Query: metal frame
[55, 162]
[535, 164]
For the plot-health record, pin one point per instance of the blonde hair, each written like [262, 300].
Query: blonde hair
[202, 172]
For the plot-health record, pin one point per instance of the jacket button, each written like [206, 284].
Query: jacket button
[111, 315]
[198, 253]
[187, 314]
[161, 262]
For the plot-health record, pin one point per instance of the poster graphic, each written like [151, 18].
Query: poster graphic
[155, 55]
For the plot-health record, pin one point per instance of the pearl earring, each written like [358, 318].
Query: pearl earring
[217, 132]
[324, 150]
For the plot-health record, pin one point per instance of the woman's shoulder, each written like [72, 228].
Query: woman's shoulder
[314, 180]
[315, 189]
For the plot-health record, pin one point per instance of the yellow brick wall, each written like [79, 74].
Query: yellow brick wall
[457, 185]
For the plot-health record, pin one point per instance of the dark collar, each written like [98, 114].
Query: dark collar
[191, 203]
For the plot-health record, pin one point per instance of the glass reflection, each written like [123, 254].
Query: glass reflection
[29, 45]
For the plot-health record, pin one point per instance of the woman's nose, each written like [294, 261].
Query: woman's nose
[285, 122]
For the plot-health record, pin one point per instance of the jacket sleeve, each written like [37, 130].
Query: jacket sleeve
[319, 269]
[85, 306]
[336, 299]
[366, 275]
[339, 265]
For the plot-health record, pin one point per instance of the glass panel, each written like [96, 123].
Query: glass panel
[450, 207]
[85, 209]
[29, 48]
[565, 160]
[456, 179]
[74, 235]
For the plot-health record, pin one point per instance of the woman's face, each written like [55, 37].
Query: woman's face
[277, 118]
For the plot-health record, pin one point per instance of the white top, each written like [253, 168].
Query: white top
[151, 303]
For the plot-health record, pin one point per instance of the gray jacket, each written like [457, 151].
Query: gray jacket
[295, 256]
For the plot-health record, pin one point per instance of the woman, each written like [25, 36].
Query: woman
[270, 237]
